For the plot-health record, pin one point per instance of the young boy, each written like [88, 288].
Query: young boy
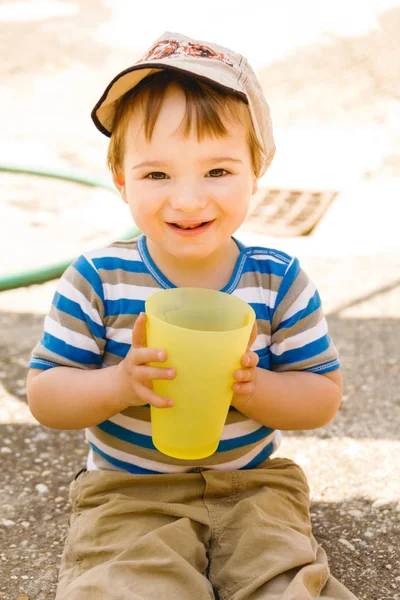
[190, 136]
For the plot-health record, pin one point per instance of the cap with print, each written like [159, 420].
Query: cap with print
[205, 61]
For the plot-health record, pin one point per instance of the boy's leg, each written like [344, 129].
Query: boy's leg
[137, 537]
[263, 547]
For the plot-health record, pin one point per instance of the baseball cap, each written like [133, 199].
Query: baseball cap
[206, 61]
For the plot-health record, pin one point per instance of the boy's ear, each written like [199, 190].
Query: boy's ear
[119, 182]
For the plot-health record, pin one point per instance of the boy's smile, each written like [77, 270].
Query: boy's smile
[187, 196]
[190, 228]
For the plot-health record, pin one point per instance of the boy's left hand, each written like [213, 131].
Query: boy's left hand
[245, 378]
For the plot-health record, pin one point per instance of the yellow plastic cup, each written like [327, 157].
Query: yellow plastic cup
[205, 333]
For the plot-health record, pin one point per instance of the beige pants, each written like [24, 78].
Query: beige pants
[237, 535]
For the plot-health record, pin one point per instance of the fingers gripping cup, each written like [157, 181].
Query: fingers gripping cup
[205, 333]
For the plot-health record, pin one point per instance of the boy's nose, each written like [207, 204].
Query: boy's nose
[188, 199]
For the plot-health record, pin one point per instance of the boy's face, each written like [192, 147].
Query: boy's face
[187, 197]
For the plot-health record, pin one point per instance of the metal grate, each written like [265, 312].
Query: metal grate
[287, 212]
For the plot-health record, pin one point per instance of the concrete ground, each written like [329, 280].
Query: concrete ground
[353, 256]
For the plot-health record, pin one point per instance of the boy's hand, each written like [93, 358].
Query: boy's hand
[133, 376]
[245, 383]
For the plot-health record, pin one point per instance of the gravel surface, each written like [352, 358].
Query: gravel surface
[351, 464]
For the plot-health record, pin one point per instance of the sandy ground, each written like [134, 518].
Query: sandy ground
[336, 106]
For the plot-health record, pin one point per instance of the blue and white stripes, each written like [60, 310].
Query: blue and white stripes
[90, 326]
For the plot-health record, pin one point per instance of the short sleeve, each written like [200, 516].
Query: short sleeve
[74, 333]
[299, 330]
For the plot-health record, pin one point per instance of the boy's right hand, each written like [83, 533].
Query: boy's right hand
[133, 377]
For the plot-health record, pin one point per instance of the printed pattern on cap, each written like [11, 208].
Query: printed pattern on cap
[169, 48]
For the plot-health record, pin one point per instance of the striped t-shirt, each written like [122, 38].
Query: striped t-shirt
[90, 326]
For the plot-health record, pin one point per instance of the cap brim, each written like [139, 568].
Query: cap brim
[129, 83]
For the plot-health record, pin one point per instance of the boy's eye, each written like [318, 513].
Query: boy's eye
[217, 172]
[156, 175]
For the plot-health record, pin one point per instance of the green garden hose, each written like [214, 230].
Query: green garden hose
[53, 271]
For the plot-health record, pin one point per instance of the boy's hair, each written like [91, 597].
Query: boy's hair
[208, 109]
